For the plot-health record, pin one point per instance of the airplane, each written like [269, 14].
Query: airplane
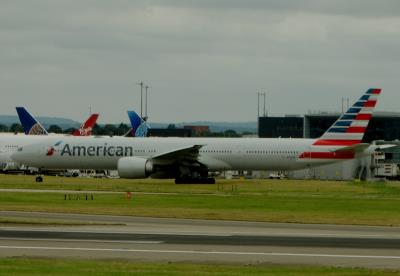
[34, 131]
[10, 142]
[189, 160]
[139, 127]
[33, 127]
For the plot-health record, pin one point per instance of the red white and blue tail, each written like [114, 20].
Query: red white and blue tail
[350, 128]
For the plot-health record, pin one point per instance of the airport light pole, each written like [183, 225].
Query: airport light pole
[141, 98]
[146, 88]
[265, 100]
[262, 95]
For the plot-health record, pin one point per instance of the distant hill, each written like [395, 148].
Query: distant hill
[64, 123]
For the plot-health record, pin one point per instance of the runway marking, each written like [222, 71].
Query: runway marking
[201, 252]
[84, 240]
[111, 232]
[283, 234]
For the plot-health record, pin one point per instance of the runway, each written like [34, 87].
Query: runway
[153, 239]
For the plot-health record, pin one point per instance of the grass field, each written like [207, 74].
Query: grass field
[28, 266]
[252, 200]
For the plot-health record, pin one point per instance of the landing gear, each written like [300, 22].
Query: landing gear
[193, 173]
[207, 180]
[39, 178]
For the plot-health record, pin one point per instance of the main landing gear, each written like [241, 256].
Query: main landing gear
[39, 178]
[208, 180]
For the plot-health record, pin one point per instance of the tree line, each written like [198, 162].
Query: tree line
[112, 130]
[107, 129]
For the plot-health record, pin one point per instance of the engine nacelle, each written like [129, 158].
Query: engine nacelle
[134, 167]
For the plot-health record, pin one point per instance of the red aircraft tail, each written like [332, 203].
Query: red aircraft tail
[86, 128]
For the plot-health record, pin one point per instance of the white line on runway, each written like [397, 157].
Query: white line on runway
[83, 240]
[200, 252]
[106, 231]
[197, 233]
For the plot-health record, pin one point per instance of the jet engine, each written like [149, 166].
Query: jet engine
[134, 167]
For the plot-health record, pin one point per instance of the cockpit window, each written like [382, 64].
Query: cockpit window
[20, 148]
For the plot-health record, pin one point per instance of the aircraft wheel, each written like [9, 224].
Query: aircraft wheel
[39, 179]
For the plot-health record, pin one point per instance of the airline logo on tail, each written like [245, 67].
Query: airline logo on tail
[347, 131]
[139, 126]
[29, 123]
[87, 127]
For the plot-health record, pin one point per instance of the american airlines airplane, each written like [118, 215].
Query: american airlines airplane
[35, 132]
[189, 160]
[10, 142]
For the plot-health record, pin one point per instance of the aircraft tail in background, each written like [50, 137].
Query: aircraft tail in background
[139, 127]
[350, 128]
[87, 127]
[30, 125]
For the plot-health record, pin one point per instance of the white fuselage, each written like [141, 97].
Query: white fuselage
[216, 153]
[10, 142]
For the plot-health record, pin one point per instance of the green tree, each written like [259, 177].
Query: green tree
[3, 128]
[68, 130]
[231, 133]
[55, 129]
[16, 128]
[96, 130]
[122, 129]
[109, 129]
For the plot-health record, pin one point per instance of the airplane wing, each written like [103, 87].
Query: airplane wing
[185, 153]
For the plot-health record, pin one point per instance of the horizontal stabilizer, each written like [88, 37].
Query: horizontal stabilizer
[387, 146]
[355, 148]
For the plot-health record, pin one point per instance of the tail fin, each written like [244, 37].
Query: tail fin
[29, 123]
[86, 128]
[139, 126]
[350, 128]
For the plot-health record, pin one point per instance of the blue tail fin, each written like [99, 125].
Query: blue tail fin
[139, 126]
[31, 125]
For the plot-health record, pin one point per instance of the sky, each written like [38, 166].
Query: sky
[204, 60]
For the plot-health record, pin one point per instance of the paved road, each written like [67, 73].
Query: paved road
[152, 239]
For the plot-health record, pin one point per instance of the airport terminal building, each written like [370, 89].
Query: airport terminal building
[384, 128]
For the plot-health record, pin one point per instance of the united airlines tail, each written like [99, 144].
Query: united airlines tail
[29, 123]
[139, 127]
[86, 128]
[350, 128]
